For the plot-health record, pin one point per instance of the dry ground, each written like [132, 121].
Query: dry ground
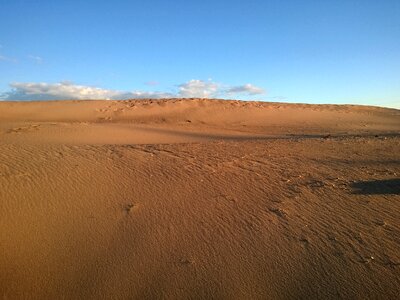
[196, 198]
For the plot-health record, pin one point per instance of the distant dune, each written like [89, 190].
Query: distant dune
[196, 198]
[184, 120]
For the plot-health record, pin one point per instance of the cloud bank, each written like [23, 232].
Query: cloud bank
[67, 90]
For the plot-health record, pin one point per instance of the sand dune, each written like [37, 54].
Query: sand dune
[198, 198]
[182, 120]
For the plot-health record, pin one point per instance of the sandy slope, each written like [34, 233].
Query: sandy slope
[198, 199]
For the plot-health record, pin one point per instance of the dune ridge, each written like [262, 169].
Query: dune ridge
[183, 120]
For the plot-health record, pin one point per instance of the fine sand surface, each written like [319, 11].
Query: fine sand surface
[199, 199]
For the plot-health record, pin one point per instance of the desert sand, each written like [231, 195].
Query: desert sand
[199, 199]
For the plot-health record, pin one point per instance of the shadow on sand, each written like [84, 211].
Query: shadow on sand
[377, 187]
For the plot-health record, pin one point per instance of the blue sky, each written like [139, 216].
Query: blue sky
[338, 51]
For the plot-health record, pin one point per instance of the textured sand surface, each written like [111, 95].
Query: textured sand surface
[197, 199]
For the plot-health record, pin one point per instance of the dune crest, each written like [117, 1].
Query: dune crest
[184, 120]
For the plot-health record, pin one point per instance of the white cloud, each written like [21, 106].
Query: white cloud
[248, 89]
[69, 90]
[36, 58]
[7, 59]
[198, 89]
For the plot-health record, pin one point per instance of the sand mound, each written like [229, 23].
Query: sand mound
[198, 199]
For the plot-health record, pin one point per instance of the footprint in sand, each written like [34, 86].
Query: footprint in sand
[279, 212]
[391, 262]
[305, 241]
[102, 119]
[316, 183]
[224, 197]
[31, 127]
[131, 207]
[186, 261]
[119, 110]
[366, 260]
[380, 223]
